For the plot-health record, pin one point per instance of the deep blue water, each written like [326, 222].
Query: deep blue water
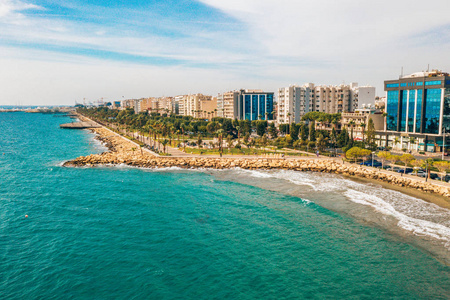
[124, 233]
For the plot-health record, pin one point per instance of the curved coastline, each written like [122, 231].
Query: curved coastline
[125, 151]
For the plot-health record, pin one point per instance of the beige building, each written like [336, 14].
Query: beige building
[227, 105]
[295, 101]
[190, 105]
[360, 120]
[208, 109]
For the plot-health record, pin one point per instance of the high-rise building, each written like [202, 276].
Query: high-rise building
[227, 105]
[295, 101]
[418, 110]
[255, 105]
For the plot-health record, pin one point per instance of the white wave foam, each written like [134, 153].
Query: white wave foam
[416, 226]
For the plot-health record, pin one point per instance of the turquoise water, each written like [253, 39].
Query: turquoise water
[124, 233]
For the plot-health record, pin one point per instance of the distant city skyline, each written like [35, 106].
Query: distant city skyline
[59, 52]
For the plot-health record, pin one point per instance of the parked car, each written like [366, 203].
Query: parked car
[407, 171]
[369, 163]
[396, 169]
[435, 176]
[420, 173]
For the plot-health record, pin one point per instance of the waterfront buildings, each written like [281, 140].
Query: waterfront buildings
[246, 105]
[227, 105]
[295, 101]
[255, 105]
[418, 111]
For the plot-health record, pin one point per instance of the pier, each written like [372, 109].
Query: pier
[80, 125]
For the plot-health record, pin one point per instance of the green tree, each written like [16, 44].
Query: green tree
[370, 133]
[442, 166]
[406, 159]
[294, 131]
[312, 131]
[261, 127]
[272, 131]
[356, 153]
[384, 156]
[304, 132]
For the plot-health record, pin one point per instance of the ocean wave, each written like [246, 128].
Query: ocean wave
[411, 214]
[414, 225]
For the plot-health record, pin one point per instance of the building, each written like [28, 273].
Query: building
[366, 97]
[208, 108]
[295, 101]
[255, 105]
[227, 105]
[359, 121]
[179, 103]
[418, 111]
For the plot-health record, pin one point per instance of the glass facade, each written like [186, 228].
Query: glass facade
[446, 119]
[255, 106]
[404, 101]
[247, 106]
[411, 104]
[436, 82]
[419, 110]
[432, 110]
[269, 106]
[392, 110]
[262, 106]
[392, 85]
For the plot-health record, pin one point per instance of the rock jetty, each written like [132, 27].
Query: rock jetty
[122, 151]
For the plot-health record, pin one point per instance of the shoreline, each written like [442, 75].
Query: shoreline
[124, 151]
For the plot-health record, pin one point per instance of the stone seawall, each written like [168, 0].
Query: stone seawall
[124, 152]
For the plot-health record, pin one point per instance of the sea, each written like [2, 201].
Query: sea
[117, 232]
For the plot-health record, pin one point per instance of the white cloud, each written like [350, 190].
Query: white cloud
[276, 44]
[10, 9]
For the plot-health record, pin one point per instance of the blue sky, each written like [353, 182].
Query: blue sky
[59, 52]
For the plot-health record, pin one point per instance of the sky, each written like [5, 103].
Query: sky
[61, 52]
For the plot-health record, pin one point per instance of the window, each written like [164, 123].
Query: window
[419, 83]
[392, 85]
[436, 82]
[432, 111]
[392, 110]
[403, 84]
[404, 101]
[419, 110]
[411, 103]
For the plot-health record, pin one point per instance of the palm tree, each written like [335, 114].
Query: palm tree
[351, 124]
[267, 114]
[164, 142]
[220, 136]
[289, 122]
[363, 127]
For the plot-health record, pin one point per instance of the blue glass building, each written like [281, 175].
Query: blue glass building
[255, 105]
[418, 106]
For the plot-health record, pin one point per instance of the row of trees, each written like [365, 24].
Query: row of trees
[259, 133]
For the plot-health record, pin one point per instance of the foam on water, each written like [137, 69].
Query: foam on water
[414, 215]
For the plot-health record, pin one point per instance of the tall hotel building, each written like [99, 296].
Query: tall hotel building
[418, 110]
[246, 105]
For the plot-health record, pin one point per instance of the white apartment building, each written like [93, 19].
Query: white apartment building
[295, 101]
[227, 105]
[366, 97]
[189, 105]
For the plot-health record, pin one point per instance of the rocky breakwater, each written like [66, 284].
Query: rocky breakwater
[124, 153]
